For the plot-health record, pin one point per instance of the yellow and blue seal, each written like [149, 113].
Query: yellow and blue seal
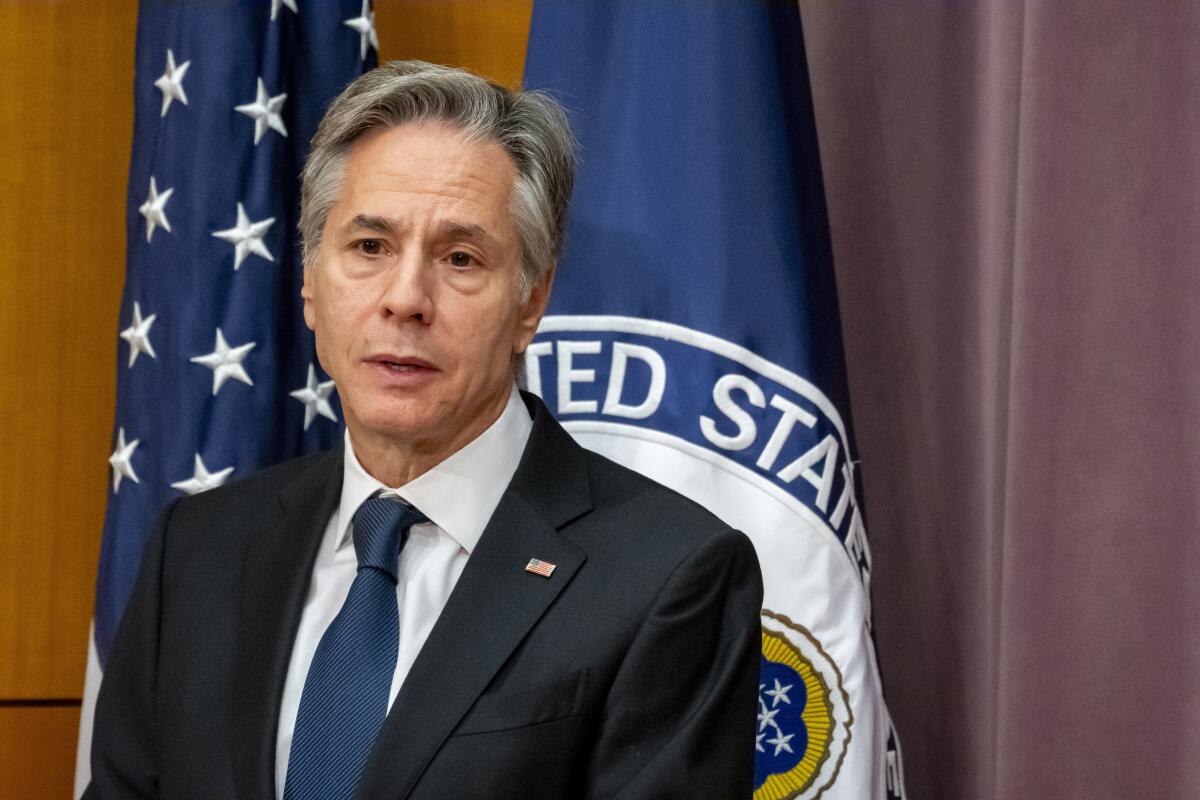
[804, 716]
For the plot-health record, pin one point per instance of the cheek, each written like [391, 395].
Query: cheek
[482, 338]
[333, 329]
[339, 312]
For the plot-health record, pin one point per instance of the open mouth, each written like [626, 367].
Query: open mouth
[401, 364]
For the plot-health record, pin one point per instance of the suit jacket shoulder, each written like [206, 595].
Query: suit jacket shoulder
[287, 478]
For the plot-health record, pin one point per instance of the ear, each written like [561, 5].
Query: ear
[308, 294]
[532, 311]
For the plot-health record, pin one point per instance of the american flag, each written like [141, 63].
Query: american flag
[216, 374]
[538, 567]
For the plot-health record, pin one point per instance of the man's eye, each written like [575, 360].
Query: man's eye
[370, 247]
[461, 259]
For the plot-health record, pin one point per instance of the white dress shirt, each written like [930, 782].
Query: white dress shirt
[459, 496]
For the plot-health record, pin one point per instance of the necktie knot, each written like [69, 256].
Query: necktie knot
[380, 527]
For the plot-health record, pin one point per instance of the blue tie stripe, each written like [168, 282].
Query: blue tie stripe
[345, 695]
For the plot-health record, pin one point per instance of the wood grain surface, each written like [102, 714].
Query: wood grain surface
[66, 117]
[37, 752]
[487, 36]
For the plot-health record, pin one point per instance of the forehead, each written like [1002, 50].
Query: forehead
[432, 164]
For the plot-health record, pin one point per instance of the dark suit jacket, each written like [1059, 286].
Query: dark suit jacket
[630, 673]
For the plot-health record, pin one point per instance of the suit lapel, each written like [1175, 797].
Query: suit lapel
[493, 606]
[276, 574]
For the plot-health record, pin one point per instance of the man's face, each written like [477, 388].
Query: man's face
[414, 294]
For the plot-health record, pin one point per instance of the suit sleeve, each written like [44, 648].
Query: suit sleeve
[679, 720]
[123, 742]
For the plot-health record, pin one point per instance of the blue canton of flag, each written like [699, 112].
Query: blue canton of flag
[217, 375]
[693, 335]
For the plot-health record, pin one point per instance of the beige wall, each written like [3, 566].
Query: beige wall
[66, 117]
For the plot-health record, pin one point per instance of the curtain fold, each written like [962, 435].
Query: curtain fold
[1013, 193]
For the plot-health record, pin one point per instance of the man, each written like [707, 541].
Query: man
[462, 602]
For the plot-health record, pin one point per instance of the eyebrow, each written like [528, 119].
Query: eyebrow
[450, 229]
[468, 231]
[372, 223]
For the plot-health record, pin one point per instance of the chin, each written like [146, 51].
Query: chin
[401, 419]
[398, 426]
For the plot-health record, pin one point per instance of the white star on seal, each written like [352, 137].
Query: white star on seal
[226, 362]
[170, 83]
[315, 397]
[275, 4]
[264, 111]
[246, 237]
[122, 461]
[138, 335]
[364, 26]
[766, 718]
[779, 694]
[154, 209]
[202, 480]
[781, 742]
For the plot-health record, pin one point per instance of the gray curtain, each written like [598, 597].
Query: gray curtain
[1014, 191]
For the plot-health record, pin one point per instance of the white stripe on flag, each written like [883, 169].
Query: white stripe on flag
[83, 747]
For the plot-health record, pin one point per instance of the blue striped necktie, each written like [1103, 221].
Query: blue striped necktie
[345, 697]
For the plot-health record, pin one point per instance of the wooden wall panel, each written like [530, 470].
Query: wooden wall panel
[487, 36]
[37, 752]
[66, 119]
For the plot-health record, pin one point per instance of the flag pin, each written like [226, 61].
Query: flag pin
[539, 567]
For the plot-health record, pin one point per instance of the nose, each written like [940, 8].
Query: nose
[407, 290]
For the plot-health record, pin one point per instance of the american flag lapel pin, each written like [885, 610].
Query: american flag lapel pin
[539, 567]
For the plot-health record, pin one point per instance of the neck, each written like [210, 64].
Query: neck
[397, 460]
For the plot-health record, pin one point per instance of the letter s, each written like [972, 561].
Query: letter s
[722, 396]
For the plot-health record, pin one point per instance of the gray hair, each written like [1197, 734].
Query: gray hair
[530, 126]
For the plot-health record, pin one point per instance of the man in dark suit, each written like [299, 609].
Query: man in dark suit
[461, 602]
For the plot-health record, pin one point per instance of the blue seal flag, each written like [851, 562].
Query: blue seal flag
[693, 335]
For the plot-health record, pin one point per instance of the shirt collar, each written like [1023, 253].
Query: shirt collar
[459, 494]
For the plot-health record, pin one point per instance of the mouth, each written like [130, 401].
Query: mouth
[400, 364]
[400, 367]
